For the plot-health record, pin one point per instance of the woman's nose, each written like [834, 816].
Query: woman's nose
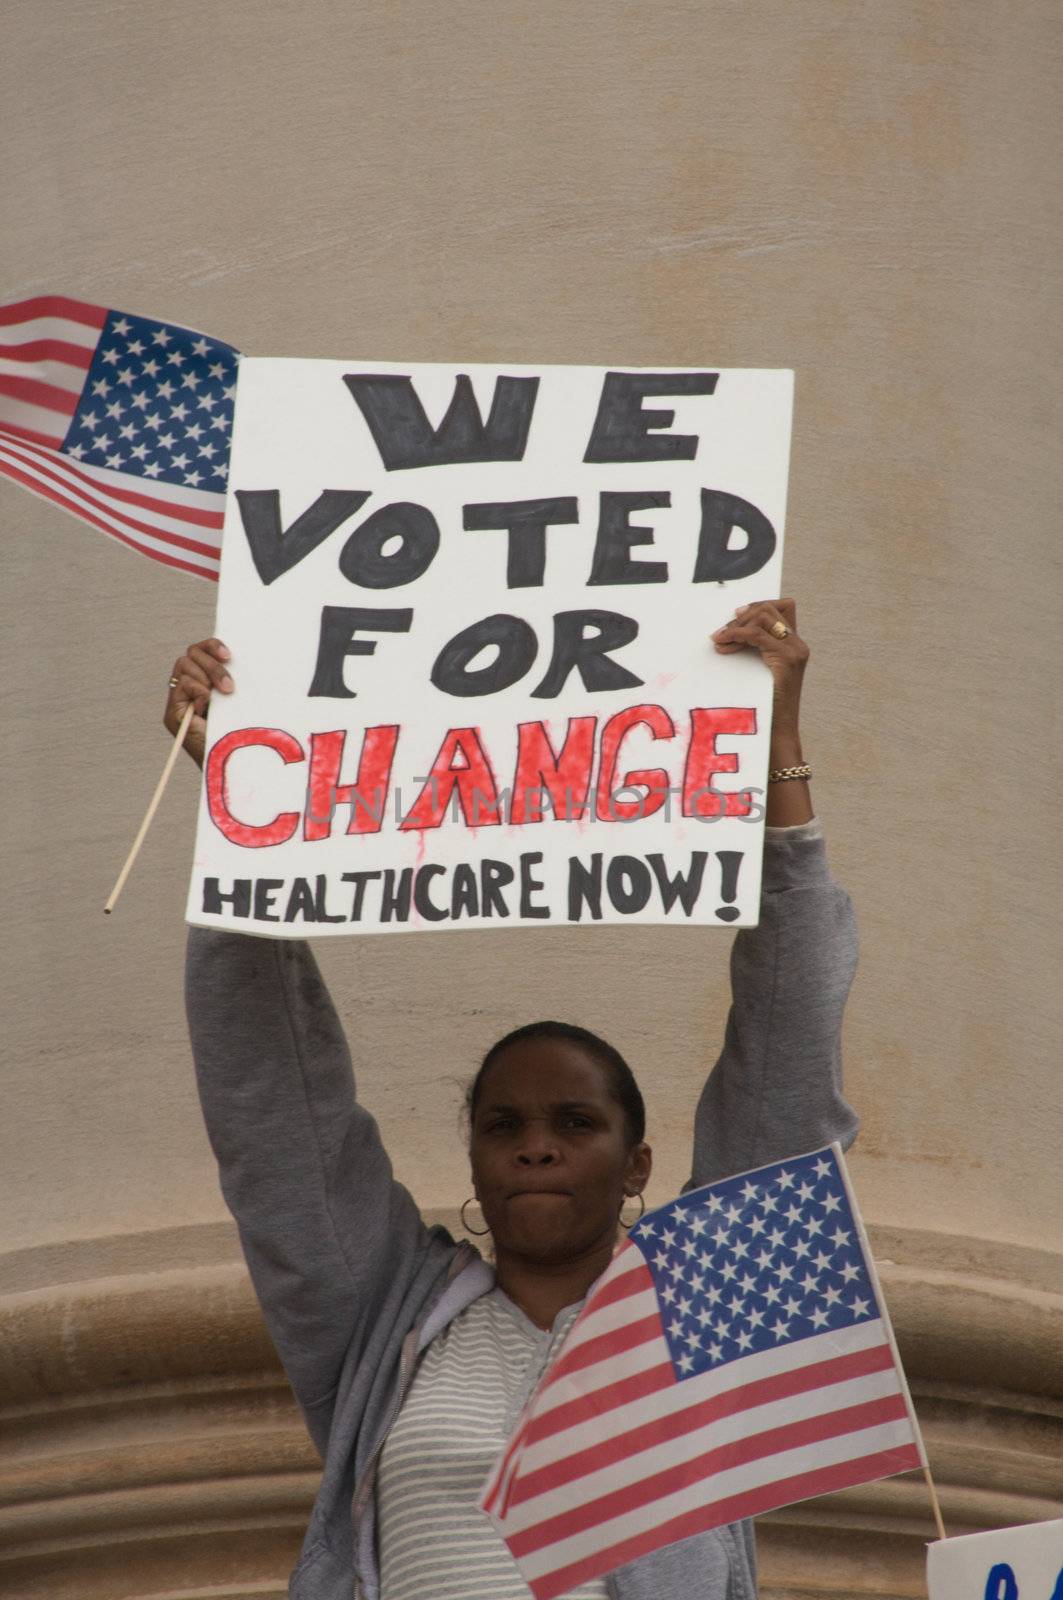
[538, 1148]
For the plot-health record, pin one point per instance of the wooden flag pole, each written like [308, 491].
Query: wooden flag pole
[933, 1498]
[153, 806]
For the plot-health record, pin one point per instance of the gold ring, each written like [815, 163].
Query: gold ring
[174, 683]
[778, 629]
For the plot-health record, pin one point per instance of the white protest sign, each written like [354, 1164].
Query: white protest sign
[469, 613]
[1023, 1563]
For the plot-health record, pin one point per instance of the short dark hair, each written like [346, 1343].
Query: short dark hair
[618, 1075]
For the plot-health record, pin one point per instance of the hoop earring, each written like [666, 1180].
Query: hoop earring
[477, 1233]
[641, 1198]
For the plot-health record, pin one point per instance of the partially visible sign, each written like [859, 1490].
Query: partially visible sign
[1023, 1563]
[469, 616]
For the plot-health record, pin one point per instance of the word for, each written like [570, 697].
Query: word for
[462, 768]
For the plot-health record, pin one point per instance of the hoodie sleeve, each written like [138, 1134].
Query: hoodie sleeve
[776, 1089]
[326, 1229]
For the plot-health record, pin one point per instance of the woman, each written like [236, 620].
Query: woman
[410, 1355]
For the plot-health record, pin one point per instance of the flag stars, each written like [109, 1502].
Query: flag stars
[805, 1190]
[840, 1236]
[849, 1271]
[122, 326]
[101, 386]
[152, 469]
[115, 460]
[127, 431]
[860, 1308]
[822, 1167]
[201, 346]
[161, 336]
[831, 1202]
[785, 1179]
[191, 380]
[115, 409]
[175, 358]
[126, 376]
[166, 390]
[819, 1318]
[194, 479]
[749, 1191]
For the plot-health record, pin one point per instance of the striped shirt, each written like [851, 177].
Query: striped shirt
[435, 1542]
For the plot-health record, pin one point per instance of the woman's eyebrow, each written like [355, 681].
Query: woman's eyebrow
[554, 1105]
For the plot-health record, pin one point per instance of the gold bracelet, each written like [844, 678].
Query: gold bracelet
[781, 774]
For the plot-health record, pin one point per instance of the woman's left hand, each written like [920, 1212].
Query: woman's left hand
[785, 654]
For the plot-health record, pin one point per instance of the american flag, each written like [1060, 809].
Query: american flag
[734, 1357]
[121, 420]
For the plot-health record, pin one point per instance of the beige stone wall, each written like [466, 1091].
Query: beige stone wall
[864, 191]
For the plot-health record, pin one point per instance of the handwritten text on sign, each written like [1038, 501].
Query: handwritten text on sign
[469, 617]
[1024, 1563]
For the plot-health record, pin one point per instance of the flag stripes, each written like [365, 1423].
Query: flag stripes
[121, 421]
[703, 1517]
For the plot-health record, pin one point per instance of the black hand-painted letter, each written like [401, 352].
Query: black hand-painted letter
[721, 513]
[336, 642]
[624, 432]
[516, 644]
[275, 550]
[612, 561]
[405, 437]
[526, 521]
[589, 655]
[363, 560]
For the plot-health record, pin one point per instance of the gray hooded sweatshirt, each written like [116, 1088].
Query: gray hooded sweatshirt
[352, 1283]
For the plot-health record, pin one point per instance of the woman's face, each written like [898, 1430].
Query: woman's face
[551, 1163]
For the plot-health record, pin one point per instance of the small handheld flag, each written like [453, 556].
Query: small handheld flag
[124, 421]
[734, 1357]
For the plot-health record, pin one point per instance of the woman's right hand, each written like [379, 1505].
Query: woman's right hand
[201, 669]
